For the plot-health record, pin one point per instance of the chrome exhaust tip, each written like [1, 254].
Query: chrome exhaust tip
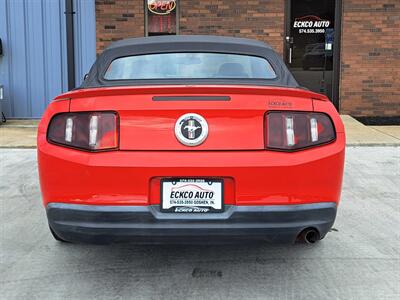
[309, 236]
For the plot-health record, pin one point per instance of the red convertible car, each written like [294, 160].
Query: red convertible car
[193, 138]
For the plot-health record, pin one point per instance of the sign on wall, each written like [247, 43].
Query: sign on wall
[311, 24]
[161, 17]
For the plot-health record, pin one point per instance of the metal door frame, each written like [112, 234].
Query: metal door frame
[336, 47]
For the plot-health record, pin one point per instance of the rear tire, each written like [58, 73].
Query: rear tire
[56, 237]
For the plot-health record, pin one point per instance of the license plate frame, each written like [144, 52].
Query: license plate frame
[200, 184]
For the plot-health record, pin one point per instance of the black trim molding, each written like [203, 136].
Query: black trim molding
[69, 16]
[191, 98]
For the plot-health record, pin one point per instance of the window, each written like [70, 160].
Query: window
[189, 66]
[161, 17]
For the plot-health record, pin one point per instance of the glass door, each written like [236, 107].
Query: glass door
[310, 44]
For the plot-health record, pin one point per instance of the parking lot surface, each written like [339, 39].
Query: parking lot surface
[359, 259]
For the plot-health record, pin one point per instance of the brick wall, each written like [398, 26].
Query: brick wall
[370, 75]
[118, 19]
[370, 71]
[258, 19]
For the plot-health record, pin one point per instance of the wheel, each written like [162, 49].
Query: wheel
[56, 237]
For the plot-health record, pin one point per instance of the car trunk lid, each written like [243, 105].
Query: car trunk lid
[234, 114]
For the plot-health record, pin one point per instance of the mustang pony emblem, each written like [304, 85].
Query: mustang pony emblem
[191, 129]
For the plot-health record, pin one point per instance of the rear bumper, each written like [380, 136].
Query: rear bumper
[107, 224]
[132, 178]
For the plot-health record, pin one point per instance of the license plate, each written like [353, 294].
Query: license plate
[183, 195]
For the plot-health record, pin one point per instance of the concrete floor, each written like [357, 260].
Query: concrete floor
[360, 259]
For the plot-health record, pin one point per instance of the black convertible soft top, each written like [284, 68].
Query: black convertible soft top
[188, 43]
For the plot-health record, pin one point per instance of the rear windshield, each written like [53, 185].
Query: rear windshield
[188, 66]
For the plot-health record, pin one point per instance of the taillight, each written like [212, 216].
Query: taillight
[297, 130]
[92, 131]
